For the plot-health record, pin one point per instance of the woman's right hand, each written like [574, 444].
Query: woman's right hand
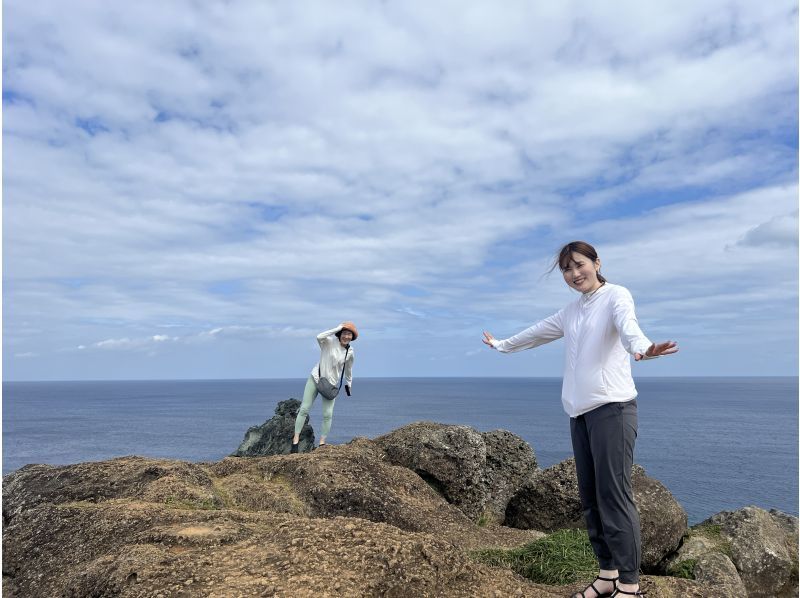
[487, 339]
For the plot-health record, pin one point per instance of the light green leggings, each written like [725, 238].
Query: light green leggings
[309, 395]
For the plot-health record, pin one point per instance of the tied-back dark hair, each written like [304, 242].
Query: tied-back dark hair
[565, 256]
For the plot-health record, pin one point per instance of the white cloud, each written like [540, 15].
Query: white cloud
[779, 230]
[261, 169]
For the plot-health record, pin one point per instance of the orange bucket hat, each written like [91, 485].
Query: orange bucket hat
[351, 327]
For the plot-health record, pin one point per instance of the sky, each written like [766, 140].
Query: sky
[196, 189]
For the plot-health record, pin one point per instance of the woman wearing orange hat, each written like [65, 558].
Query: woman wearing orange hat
[335, 367]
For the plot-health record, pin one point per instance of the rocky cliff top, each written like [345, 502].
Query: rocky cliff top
[397, 516]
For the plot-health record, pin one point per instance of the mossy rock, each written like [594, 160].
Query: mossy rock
[684, 569]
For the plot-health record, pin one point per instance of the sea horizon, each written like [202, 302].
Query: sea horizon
[725, 376]
[691, 428]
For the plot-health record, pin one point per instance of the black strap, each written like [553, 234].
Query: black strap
[344, 365]
[636, 593]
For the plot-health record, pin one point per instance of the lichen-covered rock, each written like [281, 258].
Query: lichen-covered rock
[717, 570]
[274, 436]
[676, 587]
[510, 463]
[704, 556]
[663, 520]
[763, 547]
[477, 472]
[450, 458]
[550, 501]
[353, 480]
[356, 480]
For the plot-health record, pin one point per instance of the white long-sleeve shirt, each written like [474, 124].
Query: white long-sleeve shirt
[600, 331]
[331, 359]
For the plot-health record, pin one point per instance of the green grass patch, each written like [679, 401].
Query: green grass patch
[561, 558]
[684, 569]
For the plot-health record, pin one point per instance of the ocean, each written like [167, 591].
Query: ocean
[716, 443]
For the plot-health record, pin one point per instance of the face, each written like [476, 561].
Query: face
[345, 337]
[581, 273]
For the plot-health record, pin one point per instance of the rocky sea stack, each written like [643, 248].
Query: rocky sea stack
[407, 514]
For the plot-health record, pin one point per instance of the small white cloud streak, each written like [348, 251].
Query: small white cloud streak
[778, 231]
[222, 333]
[134, 344]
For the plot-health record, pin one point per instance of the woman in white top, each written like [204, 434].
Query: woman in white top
[601, 332]
[336, 366]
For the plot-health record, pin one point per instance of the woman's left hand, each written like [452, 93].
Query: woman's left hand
[658, 349]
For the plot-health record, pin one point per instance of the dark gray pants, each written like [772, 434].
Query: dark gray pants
[603, 441]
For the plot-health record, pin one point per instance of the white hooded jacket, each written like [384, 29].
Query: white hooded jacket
[601, 333]
[332, 359]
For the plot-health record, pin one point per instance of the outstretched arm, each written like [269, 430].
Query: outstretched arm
[542, 332]
[631, 336]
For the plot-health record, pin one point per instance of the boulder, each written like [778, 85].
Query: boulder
[662, 518]
[352, 480]
[274, 436]
[717, 570]
[763, 547]
[449, 458]
[704, 557]
[510, 463]
[657, 586]
[550, 501]
[477, 472]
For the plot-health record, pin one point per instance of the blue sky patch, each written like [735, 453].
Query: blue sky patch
[93, 126]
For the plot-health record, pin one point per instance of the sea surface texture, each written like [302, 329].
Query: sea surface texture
[716, 443]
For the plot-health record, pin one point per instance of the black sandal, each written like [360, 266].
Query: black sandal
[636, 593]
[596, 591]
